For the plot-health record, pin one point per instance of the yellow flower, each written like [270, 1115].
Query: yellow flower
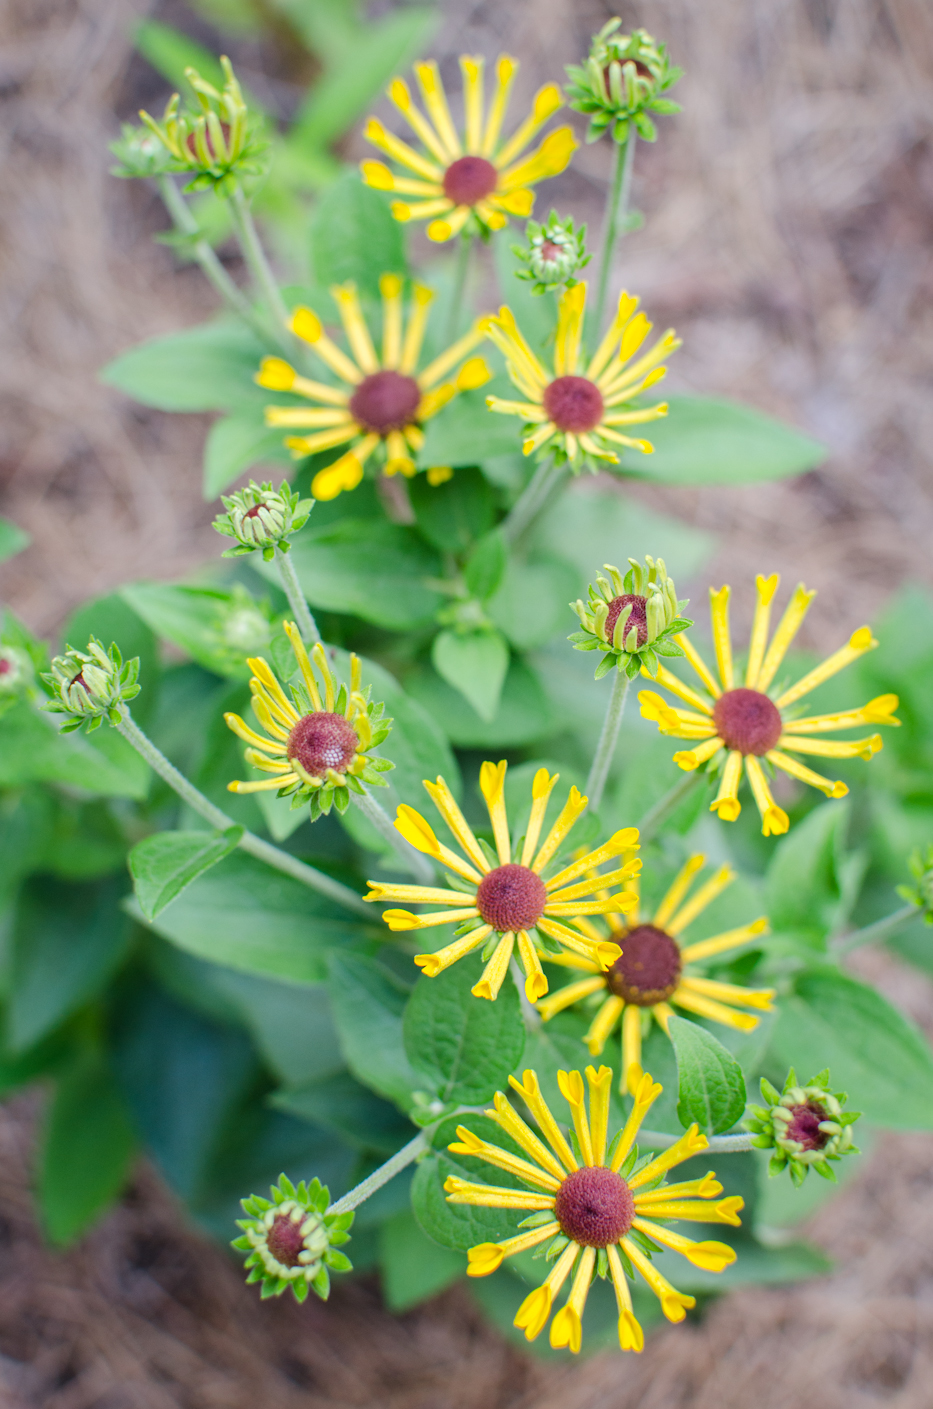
[598, 1210]
[319, 738]
[384, 401]
[480, 174]
[581, 408]
[649, 975]
[732, 724]
[512, 899]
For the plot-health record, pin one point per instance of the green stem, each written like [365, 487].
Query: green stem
[365, 1190]
[532, 499]
[718, 1144]
[257, 263]
[878, 932]
[605, 749]
[461, 270]
[265, 851]
[412, 859]
[616, 209]
[666, 806]
[184, 221]
[296, 598]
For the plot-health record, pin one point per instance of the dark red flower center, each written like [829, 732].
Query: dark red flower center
[6, 667]
[648, 969]
[385, 401]
[574, 404]
[191, 144]
[550, 253]
[511, 898]
[78, 680]
[748, 721]
[804, 1126]
[641, 69]
[253, 512]
[594, 1206]
[638, 616]
[284, 1240]
[470, 179]
[322, 741]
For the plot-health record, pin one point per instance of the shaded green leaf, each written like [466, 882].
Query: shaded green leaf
[711, 1084]
[454, 514]
[371, 569]
[216, 627]
[368, 1003]
[12, 539]
[206, 368]
[341, 1104]
[532, 604]
[707, 441]
[354, 236]
[413, 1267]
[236, 444]
[463, 1045]
[164, 864]
[524, 712]
[475, 663]
[462, 1226]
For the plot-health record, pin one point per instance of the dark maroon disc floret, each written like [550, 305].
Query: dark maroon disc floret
[385, 401]
[470, 179]
[648, 969]
[748, 721]
[574, 404]
[804, 1126]
[284, 1240]
[511, 898]
[322, 741]
[594, 1206]
[638, 616]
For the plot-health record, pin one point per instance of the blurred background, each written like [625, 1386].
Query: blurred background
[788, 236]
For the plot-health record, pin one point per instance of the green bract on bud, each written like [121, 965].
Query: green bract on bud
[621, 82]
[292, 1239]
[921, 895]
[262, 517]
[554, 254]
[140, 152]
[91, 685]
[804, 1125]
[632, 619]
[218, 140]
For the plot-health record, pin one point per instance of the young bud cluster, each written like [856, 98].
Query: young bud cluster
[921, 894]
[219, 141]
[554, 254]
[632, 619]
[91, 685]
[262, 517]
[804, 1125]
[292, 1239]
[621, 81]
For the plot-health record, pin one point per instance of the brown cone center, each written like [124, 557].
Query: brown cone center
[804, 1126]
[574, 404]
[321, 741]
[385, 401]
[638, 616]
[284, 1240]
[470, 179]
[748, 721]
[594, 1206]
[648, 969]
[511, 898]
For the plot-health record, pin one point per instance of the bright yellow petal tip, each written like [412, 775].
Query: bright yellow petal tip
[484, 1259]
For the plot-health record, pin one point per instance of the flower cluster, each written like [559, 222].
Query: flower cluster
[632, 619]
[554, 253]
[262, 517]
[292, 1240]
[91, 686]
[804, 1125]
[621, 81]
[219, 141]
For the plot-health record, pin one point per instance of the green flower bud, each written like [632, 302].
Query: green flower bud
[291, 1239]
[632, 619]
[921, 895]
[555, 252]
[262, 517]
[16, 671]
[804, 1125]
[140, 152]
[91, 685]
[218, 140]
[622, 80]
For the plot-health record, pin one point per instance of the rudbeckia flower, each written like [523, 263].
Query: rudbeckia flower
[648, 979]
[478, 175]
[580, 405]
[384, 400]
[601, 1210]
[499, 899]
[735, 726]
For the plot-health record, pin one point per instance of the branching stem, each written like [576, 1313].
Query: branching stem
[533, 499]
[665, 807]
[258, 264]
[878, 932]
[184, 221]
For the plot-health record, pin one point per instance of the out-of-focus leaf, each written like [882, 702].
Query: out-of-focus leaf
[707, 441]
[164, 864]
[206, 368]
[12, 539]
[354, 237]
[475, 663]
[235, 444]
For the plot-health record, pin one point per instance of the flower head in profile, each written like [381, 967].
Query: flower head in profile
[592, 1209]
[318, 743]
[621, 81]
[578, 409]
[632, 619]
[496, 900]
[746, 726]
[384, 400]
[91, 686]
[655, 974]
[292, 1240]
[478, 177]
[805, 1125]
[219, 141]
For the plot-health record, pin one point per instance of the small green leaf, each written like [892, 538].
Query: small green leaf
[207, 368]
[463, 1045]
[342, 1104]
[486, 565]
[368, 1003]
[475, 663]
[12, 539]
[524, 712]
[164, 864]
[216, 627]
[238, 443]
[712, 1087]
[532, 604]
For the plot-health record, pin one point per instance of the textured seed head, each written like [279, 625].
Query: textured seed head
[284, 1240]
[511, 898]
[804, 1126]
[385, 401]
[470, 179]
[648, 969]
[574, 404]
[748, 721]
[321, 741]
[594, 1206]
[638, 616]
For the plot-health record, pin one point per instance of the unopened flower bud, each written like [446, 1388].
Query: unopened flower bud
[805, 1125]
[633, 619]
[554, 254]
[262, 517]
[291, 1239]
[621, 81]
[91, 685]
[218, 141]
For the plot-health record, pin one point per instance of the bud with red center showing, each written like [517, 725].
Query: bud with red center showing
[594, 1207]
[511, 898]
[648, 969]
[573, 404]
[320, 744]
[748, 721]
[632, 619]
[637, 618]
[385, 401]
[291, 1239]
[554, 253]
[262, 517]
[470, 179]
[804, 1125]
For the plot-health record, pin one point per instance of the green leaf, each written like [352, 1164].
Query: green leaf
[712, 1087]
[532, 604]
[32, 750]
[207, 368]
[475, 663]
[343, 1105]
[466, 432]
[462, 1226]
[454, 514]
[486, 565]
[236, 444]
[706, 441]
[164, 864]
[12, 539]
[524, 712]
[246, 916]
[354, 237]
[216, 627]
[368, 568]
[802, 889]
[413, 1267]
[87, 1150]
[464, 1046]
[872, 1050]
[368, 1003]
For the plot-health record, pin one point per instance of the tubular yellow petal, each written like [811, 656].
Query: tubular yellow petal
[266, 765]
[674, 1304]
[573, 1092]
[351, 316]
[447, 360]
[624, 310]
[399, 920]
[404, 211]
[416, 830]
[334, 417]
[605, 1019]
[631, 1335]
[443, 800]
[726, 802]
[506, 334]
[536, 984]
[573, 808]
[505, 1115]
[761, 998]
[416, 895]
[569, 328]
[322, 440]
[546, 103]
[677, 687]
[343, 474]
[678, 889]
[877, 711]
[506, 69]
[472, 70]
[530, 1091]
[567, 1326]
[265, 785]
[689, 759]
[433, 964]
[685, 997]
[564, 997]
[249, 736]
[722, 640]
[703, 897]
[519, 201]
[467, 1143]
[774, 821]
[461, 1191]
[435, 100]
[788, 627]
[390, 287]
[690, 1143]
[601, 952]
[599, 1083]
[766, 587]
[602, 883]
[536, 1308]
[496, 970]
[306, 668]
[806, 775]
[631, 1049]
[400, 94]
[706, 1188]
[725, 1211]
[711, 1257]
[722, 943]
[377, 175]
[625, 840]
[401, 152]
[488, 1257]
[541, 789]
[830, 748]
[422, 297]
[859, 642]
[492, 784]
[644, 1093]
[441, 230]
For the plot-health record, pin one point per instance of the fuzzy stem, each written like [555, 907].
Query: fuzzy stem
[415, 862]
[878, 932]
[616, 209]
[718, 1144]
[184, 221]
[257, 263]
[296, 598]
[532, 499]
[656, 816]
[461, 271]
[265, 851]
[606, 747]
[365, 1190]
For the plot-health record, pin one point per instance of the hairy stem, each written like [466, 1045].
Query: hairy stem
[878, 932]
[296, 598]
[718, 1144]
[605, 749]
[413, 860]
[265, 851]
[184, 221]
[665, 807]
[616, 209]
[258, 264]
[365, 1190]
[532, 499]
[461, 271]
